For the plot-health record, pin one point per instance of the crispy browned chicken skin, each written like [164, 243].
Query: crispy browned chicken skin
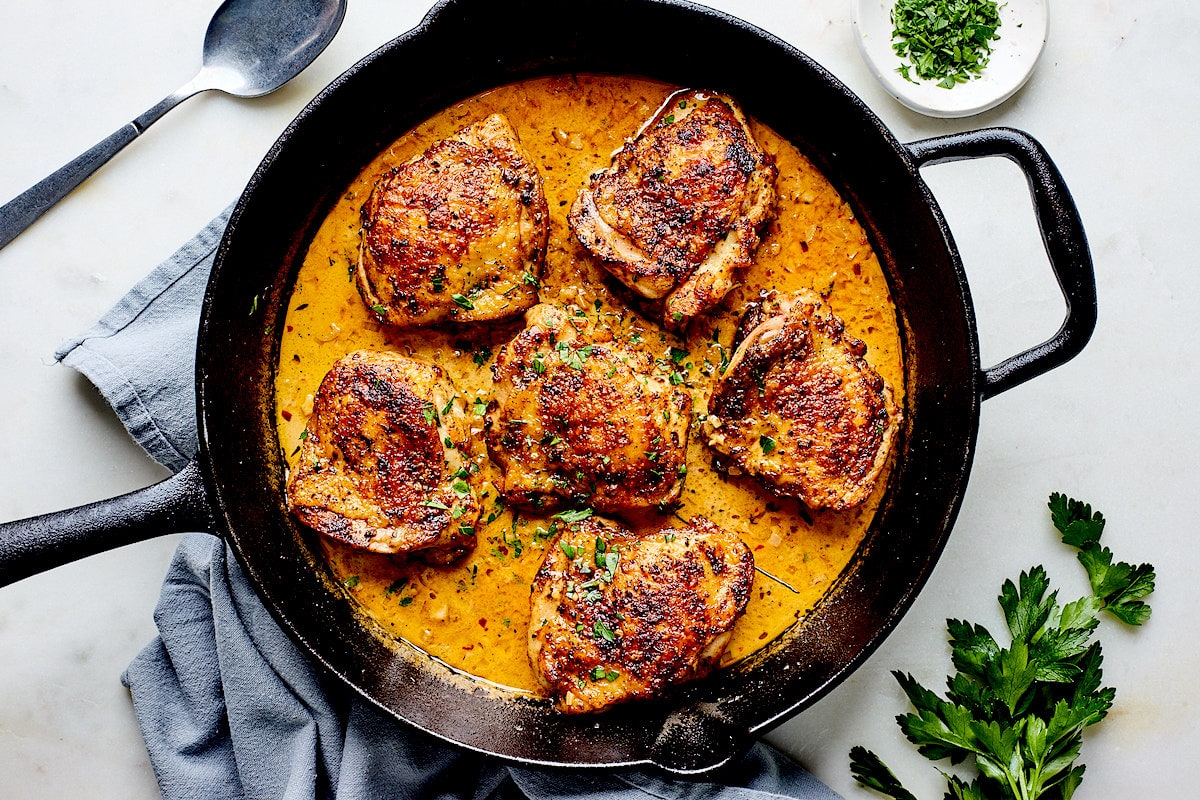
[800, 408]
[582, 415]
[375, 470]
[618, 617]
[459, 232]
[679, 212]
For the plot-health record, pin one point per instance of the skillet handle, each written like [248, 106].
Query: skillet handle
[1062, 235]
[37, 544]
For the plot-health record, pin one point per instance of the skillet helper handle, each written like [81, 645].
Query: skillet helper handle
[37, 544]
[1062, 235]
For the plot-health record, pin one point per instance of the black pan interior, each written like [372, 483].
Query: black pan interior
[464, 47]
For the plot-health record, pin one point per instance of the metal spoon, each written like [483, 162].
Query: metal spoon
[251, 48]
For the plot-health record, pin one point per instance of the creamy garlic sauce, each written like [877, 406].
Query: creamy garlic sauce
[473, 615]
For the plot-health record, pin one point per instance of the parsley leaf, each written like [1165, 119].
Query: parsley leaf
[575, 515]
[868, 770]
[601, 631]
[1119, 586]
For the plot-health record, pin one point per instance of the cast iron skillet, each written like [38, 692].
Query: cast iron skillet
[234, 488]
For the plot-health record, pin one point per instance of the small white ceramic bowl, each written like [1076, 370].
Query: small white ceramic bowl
[1024, 25]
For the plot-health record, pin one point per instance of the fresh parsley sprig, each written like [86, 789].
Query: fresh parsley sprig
[1019, 712]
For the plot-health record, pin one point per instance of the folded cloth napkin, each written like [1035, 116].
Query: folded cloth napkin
[228, 706]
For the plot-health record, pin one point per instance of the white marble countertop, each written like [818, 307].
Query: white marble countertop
[1116, 102]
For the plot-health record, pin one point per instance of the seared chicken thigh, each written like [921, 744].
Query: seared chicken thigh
[800, 408]
[459, 232]
[379, 468]
[617, 617]
[679, 212]
[582, 415]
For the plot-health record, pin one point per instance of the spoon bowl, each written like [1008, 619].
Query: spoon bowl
[251, 48]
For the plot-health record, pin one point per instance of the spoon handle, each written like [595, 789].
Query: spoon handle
[23, 210]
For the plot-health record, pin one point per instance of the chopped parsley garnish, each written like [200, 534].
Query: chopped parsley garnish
[725, 358]
[515, 542]
[602, 631]
[604, 674]
[463, 302]
[1019, 712]
[570, 357]
[948, 41]
[767, 444]
[575, 515]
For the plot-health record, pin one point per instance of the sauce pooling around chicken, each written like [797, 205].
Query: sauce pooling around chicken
[473, 615]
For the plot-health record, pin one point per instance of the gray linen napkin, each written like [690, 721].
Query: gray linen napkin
[228, 706]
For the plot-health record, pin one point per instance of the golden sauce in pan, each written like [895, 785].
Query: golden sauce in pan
[473, 615]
